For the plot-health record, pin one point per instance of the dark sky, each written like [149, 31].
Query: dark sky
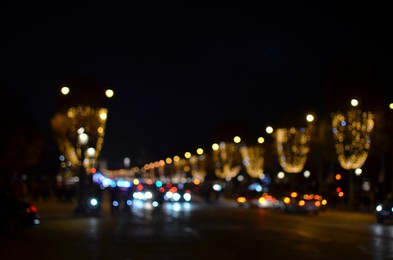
[185, 74]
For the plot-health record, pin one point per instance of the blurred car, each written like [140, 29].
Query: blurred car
[257, 200]
[16, 214]
[178, 195]
[303, 203]
[384, 211]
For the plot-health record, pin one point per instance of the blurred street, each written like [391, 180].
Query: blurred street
[199, 230]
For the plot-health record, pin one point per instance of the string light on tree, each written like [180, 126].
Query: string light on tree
[225, 162]
[352, 132]
[352, 136]
[292, 148]
[253, 159]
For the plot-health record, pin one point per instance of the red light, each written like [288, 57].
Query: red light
[139, 187]
[173, 189]
[93, 170]
[33, 208]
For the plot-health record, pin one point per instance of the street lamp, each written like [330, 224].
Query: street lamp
[79, 128]
[198, 165]
[83, 140]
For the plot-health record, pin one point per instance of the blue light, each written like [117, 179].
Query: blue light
[123, 183]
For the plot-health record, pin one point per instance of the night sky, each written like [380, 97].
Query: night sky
[186, 75]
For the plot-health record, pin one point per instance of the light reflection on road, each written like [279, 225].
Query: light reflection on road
[145, 209]
[382, 240]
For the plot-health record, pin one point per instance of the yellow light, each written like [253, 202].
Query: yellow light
[224, 155]
[310, 118]
[109, 93]
[65, 90]
[241, 199]
[215, 146]
[261, 140]
[199, 151]
[253, 160]
[269, 129]
[237, 139]
[302, 203]
[352, 137]
[292, 148]
[187, 155]
[103, 115]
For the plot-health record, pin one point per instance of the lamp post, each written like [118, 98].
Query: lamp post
[198, 165]
[79, 129]
[83, 140]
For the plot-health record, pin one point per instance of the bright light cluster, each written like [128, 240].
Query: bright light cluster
[352, 137]
[224, 156]
[92, 121]
[253, 160]
[292, 148]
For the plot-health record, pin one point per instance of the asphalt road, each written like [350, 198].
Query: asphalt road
[199, 231]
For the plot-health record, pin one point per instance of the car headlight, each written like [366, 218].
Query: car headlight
[187, 196]
[176, 196]
[93, 203]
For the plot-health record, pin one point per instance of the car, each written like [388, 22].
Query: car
[384, 211]
[302, 203]
[175, 194]
[257, 200]
[16, 214]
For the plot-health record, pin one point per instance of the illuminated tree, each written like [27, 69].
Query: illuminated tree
[253, 160]
[351, 132]
[226, 158]
[292, 148]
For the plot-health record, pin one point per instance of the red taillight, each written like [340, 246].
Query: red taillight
[32, 208]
